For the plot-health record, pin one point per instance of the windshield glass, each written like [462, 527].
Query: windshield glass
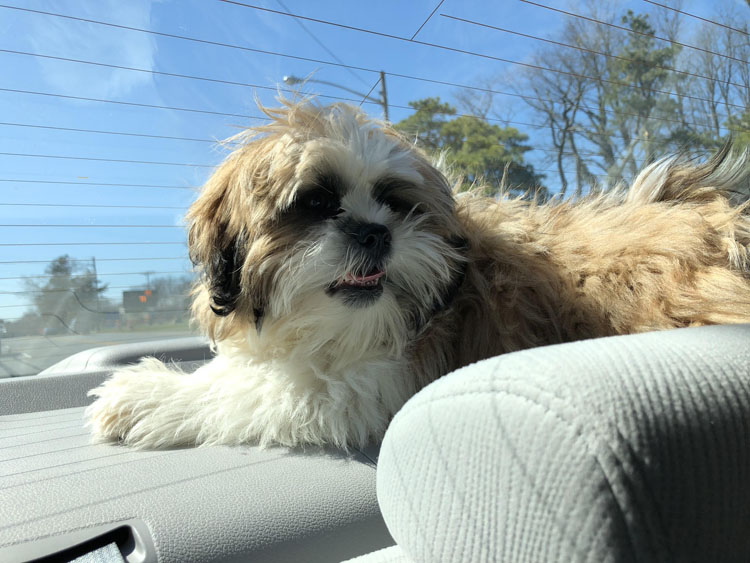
[112, 111]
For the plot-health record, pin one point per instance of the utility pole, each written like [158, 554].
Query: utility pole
[384, 95]
[96, 290]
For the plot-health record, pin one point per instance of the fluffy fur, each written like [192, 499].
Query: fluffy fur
[340, 274]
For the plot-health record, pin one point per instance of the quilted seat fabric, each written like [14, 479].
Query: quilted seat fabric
[633, 448]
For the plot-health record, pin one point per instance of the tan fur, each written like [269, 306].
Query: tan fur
[465, 278]
[670, 252]
[661, 256]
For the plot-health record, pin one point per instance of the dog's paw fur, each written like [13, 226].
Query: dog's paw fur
[129, 403]
[231, 401]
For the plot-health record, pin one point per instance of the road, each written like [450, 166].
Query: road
[28, 355]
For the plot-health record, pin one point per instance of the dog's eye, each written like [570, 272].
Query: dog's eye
[399, 205]
[400, 196]
[320, 202]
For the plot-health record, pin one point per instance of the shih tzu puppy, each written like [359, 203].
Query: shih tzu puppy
[341, 273]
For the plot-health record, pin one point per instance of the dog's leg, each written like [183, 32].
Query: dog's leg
[151, 405]
[147, 405]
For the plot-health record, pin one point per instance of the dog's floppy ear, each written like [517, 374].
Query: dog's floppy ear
[226, 225]
[224, 276]
[212, 239]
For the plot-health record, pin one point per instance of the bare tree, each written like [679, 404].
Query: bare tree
[613, 97]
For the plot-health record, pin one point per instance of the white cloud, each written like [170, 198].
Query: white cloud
[88, 41]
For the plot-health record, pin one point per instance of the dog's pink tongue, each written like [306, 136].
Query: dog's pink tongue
[365, 279]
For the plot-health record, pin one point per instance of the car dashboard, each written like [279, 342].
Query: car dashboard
[64, 496]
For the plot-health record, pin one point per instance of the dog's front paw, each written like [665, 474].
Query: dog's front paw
[118, 407]
[127, 401]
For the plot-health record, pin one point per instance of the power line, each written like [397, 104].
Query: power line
[585, 107]
[187, 38]
[182, 243]
[37, 225]
[249, 49]
[151, 106]
[322, 45]
[424, 23]
[88, 260]
[185, 76]
[602, 80]
[162, 73]
[209, 166]
[101, 132]
[641, 116]
[370, 92]
[464, 51]
[593, 51]
[552, 151]
[98, 275]
[742, 31]
[523, 96]
[108, 160]
[526, 124]
[505, 93]
[653, 36]
[442, 82]
[268, 119]
[3, 292]
[409, 77]
[84, 307]
[90, 311]
[100, 184]
[488, 90]
[325, 62]
[317, 20]
[94, 206]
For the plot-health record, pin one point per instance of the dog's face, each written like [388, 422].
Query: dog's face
[322, 218]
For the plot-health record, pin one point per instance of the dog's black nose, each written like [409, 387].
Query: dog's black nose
[374, 237]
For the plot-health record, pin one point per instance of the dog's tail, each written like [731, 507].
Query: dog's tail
[726, 175]
[718, 189]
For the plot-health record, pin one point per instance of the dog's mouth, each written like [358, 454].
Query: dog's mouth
[370, 280]
[358, 290]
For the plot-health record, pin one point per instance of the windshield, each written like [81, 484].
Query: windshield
[112, 111]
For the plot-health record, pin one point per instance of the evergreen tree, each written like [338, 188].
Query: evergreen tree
[475, 149]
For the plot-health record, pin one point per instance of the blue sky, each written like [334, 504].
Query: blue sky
[154, 212]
